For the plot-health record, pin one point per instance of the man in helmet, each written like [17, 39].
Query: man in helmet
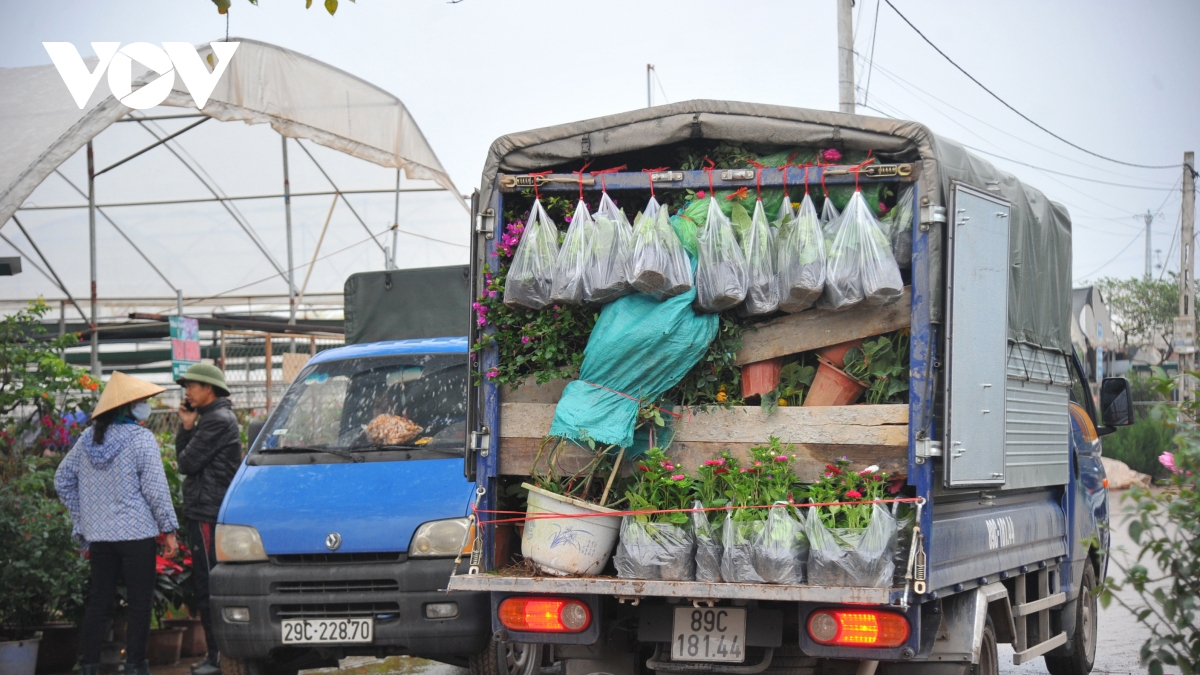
[209, 450]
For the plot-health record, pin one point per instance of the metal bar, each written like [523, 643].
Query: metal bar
[150, 147]
[244, 225]
[223, 352]
[317, 250]
[161, 117]
[287, 210]
[346, 201]
[125, 237]
[91, 169]
[1039, 605]
[1039, 649]
[57, 280]
[396, 221]
[270, 367]
[670, 589]
[722, 179]
[204, 200]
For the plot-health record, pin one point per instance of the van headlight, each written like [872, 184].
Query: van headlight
[441, 538]
[239, 543]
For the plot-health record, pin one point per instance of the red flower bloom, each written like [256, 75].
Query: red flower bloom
[642, 467]
[853, 494]
[718, 472]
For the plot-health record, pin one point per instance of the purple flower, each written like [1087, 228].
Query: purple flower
[525, 339]
[492, 373]
[492, 294]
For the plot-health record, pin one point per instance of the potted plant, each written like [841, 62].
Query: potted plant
[794, 380]
[833, 386]
[658, 545]
[851, 544]
[766, 480]
[882, 364]
[710, 493]
[165, 642]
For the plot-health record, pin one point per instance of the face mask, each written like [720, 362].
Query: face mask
[141, 411]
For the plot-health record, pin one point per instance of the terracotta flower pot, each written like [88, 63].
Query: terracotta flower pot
[760, 377]
[59, 648]
[163, 646]
[194, 643]
[837, 353]
[832, 386]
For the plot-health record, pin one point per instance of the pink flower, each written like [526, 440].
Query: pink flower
[701, 194]
[525, 339]
[718, 472]
[758, 464]
[669, 466]
[643, 468]
[1167, 459]
[492, 373]
[831, 155]
[781, 458]
[678, 476]
[568, 219]
[742, 470]
[883, 209]
[714, 462]
[870, 469]
[853, 494]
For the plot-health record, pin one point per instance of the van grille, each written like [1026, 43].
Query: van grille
[337, 558]
[336, 610]
[363, 586]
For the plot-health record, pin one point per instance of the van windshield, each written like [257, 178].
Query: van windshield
[404, 402]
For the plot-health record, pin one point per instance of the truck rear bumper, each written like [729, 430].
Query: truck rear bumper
[395, 594]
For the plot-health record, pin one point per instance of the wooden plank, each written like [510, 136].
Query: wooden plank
[816, 328]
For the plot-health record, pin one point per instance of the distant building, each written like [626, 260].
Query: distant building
[1093, 337]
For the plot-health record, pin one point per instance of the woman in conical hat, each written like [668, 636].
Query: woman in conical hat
[115, 488]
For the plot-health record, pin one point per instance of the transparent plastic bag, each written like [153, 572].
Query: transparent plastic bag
[859, 265]
[758, 244]
[861, 557]
[573, 258]
[829, 212]
[531, 274]
[721, 278]
[658, 264]
[649, 550]
[606, 276]
[738, 539]
[897, 226]
[708, 546]
[781, 552]
[801, 260]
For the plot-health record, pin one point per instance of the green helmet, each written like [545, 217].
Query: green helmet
[206, 373]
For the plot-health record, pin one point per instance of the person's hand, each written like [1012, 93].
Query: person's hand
[188, 416]
[170, 546]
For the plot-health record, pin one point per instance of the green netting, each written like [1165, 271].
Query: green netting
[640, 348]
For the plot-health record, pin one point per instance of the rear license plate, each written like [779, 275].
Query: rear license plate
[709, 634]
[328, 631]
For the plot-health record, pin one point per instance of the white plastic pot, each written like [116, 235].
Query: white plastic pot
[564, 546]
[19, 657]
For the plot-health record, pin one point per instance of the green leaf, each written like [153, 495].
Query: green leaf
[307, 4]
[222, 6]
[331, 6]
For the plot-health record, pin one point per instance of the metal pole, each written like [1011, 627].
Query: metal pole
[178, 302]
[1187, 271]
[845, 32]
[62, 318]
[395, 221]
[287, 209]
[649, 98]
[91, 169]
[270, 359]
[1149, 218]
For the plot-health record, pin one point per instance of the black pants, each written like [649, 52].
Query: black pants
[109, 559]
[204, 556]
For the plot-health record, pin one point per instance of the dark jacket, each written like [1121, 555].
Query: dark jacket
[209, 454]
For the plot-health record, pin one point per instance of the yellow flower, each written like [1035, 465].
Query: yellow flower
[722, 396]
[783, 402]
[795, 205]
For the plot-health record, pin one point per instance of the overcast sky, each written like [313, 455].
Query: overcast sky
[1118, 78]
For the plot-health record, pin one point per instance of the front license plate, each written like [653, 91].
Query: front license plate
[327, 631]
[709, 634]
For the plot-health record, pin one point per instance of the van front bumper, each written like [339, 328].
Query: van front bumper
[395, 594]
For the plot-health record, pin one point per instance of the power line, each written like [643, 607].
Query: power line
[1018, 112]
[1111, 260]
[1068, 175]
[871, 58]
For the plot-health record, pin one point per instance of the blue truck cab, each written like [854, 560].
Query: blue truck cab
[335, 541]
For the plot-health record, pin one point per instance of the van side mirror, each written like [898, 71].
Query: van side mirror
[1116, 404]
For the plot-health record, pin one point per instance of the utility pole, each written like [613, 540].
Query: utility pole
[649, 98]
[1149, 218]
[1185, 325]
[845, 32]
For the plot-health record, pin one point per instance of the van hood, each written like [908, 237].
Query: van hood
[374, 506]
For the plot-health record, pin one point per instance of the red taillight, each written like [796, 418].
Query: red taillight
[545, 615]
[858, 628]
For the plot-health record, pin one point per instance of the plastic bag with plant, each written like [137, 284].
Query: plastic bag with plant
[859, 265]
[721, 278]
[606, 276]
[781, 553]
[531, 274]
[829, 213]
[762, 291]
[658, 263]
[573, 258]
[657, 545]
[708, 546]
[801, 260]
[897, 225]
[738, 539]
[853, 556]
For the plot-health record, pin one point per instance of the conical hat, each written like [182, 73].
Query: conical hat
[122, 389]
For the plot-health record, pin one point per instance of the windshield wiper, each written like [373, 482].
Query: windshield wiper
[331, 450]
[441, 450]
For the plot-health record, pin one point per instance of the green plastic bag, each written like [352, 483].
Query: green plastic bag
[640, 348]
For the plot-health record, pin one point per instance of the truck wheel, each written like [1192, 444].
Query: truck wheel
[989, 659]
[1083, 654]
[507, 658]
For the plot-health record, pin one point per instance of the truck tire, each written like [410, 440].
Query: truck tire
[989, 658]
[507, 658]
[1083, 642]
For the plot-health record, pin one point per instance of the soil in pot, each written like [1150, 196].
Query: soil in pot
[760, 377]
[832, 386]
[59, 649]
[194, 643]
[163, 646]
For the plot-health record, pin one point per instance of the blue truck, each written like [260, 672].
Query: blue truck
[999, 439]
[336, 538]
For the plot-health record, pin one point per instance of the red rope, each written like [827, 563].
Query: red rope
[647, 512]
[712, 166]
[757, 176]
[784, 170]
[603, 186]
[672, 413]
[650, 179]
[579, 174]
[536, 193]
[857, 168]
